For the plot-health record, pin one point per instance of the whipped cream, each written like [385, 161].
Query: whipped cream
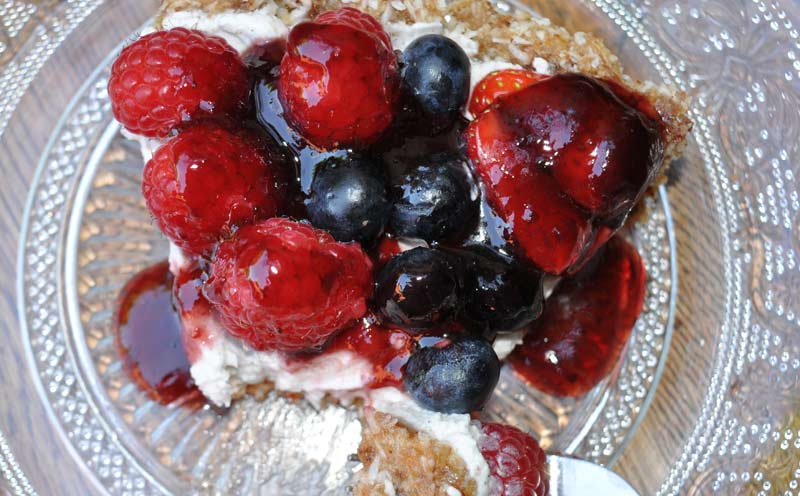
[224, 368]
[240, 29]
[147, 146]
[504, 344]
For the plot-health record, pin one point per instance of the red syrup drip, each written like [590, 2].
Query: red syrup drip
[387, 349]
[148, 338]
[585, 325]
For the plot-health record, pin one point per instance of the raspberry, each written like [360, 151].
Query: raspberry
[168, 77]
[280, 284]
[206, 182]
[339, 81]
[517, 463]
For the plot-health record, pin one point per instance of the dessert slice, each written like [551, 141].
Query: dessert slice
[363, 202]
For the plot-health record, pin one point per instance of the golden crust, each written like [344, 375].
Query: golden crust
[518, 38]
[416, 464]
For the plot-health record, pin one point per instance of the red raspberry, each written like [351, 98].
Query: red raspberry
[515, 459]
[339, 81]
[499, 83]
[284, 285]
[207, 181]
[167, 77]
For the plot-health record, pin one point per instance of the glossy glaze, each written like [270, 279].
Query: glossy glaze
[561, 157]
[148, 336]
[585, 325]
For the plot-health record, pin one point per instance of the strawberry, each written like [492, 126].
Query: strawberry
[559, 157]
[338, 80]
[499, 83]
[168, 77]
[585, 325]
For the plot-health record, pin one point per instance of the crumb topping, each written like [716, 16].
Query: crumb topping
[410, 463]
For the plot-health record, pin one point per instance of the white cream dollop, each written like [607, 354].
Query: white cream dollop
[240, 29]
[504, 344]
[228, 364]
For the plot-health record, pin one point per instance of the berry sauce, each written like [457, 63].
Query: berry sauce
[270, 116]
[148, 337]
[585, 325]
[388, 349]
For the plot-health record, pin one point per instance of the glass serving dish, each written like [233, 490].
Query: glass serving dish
[702, 402]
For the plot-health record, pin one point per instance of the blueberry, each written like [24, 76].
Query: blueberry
[458, 378]
[499, 295]
[348, 198]
[417, 289]
[437, 73]
[436, 201]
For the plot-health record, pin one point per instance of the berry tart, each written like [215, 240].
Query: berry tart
[364, 201]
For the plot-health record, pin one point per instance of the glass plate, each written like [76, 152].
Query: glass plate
[720, 247]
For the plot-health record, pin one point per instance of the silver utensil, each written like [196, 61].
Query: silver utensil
[574, 477]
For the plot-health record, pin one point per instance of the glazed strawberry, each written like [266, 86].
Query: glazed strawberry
[560, 155]
[280, 284]
[499, 83]
[585, 325]
[600, 236]
[517, 463]
[168, 77]
[339, 81]
[204, 183]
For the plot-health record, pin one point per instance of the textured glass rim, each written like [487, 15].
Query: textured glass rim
[41, 166]
[673, 300]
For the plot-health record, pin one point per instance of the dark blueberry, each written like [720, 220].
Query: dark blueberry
[348, 198]
[417, 289]
[437, 74]
[458, 378]
[435, 201]
[499, 295]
